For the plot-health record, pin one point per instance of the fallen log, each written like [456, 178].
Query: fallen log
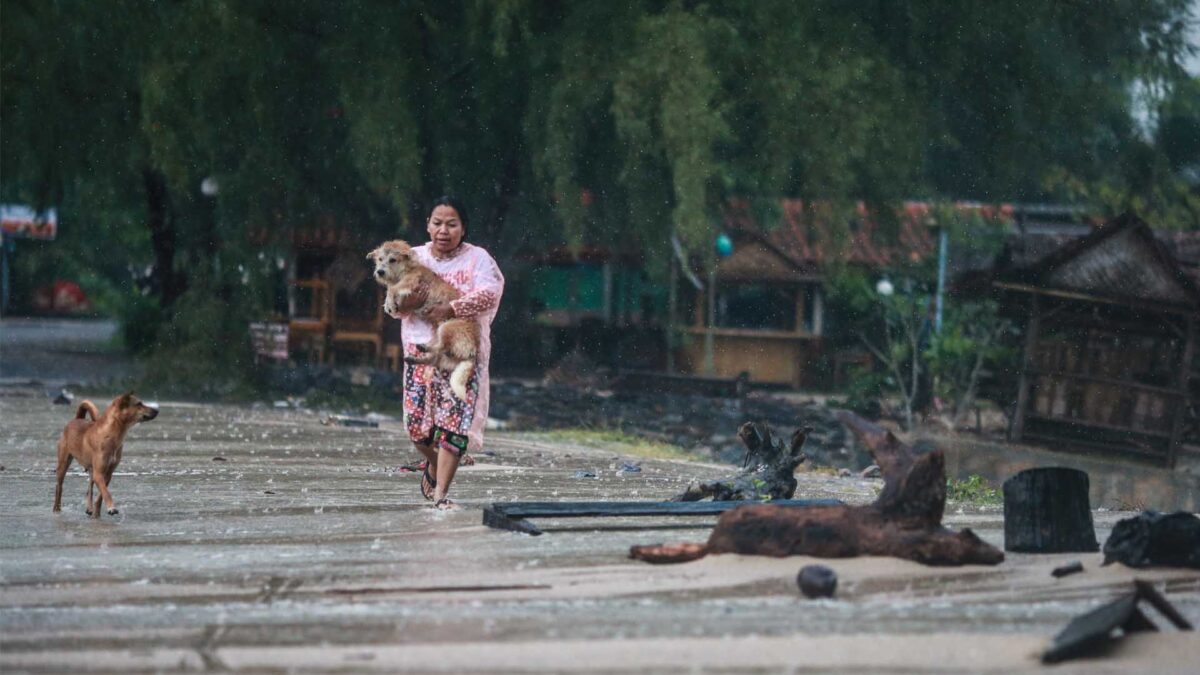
[904, 522]
[768, 471]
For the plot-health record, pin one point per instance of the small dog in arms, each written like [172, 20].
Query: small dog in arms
[97, 444]
[456, 341]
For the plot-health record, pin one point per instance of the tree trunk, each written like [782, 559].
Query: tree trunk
[1047, 511]
[169, 284]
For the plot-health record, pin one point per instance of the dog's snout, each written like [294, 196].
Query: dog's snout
[379, 273]
[151, 413]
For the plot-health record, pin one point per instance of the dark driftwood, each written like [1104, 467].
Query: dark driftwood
[904, 522]
[1046, 510]
[1152, 538]
[768, 472]
[513, 515]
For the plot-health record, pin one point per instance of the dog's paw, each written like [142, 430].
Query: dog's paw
[88, 511]
[113, 511]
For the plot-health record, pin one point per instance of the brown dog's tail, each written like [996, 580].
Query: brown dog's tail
[87, 408]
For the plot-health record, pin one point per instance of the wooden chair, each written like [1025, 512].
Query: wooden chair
[357, 329]
[311, 317]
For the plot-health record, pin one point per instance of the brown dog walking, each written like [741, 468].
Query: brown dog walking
[96, 444]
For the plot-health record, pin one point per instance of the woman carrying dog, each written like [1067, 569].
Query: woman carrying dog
[442, 426]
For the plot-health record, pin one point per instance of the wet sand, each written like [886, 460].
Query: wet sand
[303, 548]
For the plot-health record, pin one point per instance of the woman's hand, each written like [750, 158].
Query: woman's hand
[443, 311]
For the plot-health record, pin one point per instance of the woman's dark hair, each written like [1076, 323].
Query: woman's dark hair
[456, 204]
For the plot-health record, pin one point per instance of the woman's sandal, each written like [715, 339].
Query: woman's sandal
[445, 504]
[428, 484]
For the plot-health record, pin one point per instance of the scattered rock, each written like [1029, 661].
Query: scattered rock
[584, 474]
[219, 459]
[629, 467]
[844, 473]
[872, 471]
[817, 581]
[698, 423]
[1068, 569]
[64, 397]
[268, 492]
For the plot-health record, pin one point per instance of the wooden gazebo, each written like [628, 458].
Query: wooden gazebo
[1110, 345]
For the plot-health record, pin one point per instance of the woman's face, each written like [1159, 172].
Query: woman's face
[445, 229]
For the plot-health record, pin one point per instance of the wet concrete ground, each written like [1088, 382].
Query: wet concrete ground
[261, 539]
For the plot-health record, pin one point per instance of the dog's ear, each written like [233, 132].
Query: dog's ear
[125, 399]
[372, 254]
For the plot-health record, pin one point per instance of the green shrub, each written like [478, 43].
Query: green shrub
[974, 490]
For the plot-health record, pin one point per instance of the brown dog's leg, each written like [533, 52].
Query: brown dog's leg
[105, 495]
[88, 502]
[64, 463]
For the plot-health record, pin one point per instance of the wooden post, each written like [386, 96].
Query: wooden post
[1031, 331]
[709, 364]
[1183, 382]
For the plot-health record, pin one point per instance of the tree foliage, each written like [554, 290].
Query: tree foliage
[566, 123]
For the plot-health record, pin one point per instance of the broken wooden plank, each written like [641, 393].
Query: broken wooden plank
[496, 519]
[512, 515]
[1088, 633]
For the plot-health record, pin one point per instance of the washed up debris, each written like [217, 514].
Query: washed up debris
[628, 467]
[817, 581]
[1154, 538]
[584, 474]
[219, 459]
[1066, 570]
[346, 421]
[268, 492]
[1089, 634]
[1046, 510]
[63, 397]
[702, 424]
[768, 470]
[871, 472]
[904, 522]
[514, 515]
[844, 473]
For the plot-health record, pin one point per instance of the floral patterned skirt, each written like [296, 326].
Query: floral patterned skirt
[432, 413]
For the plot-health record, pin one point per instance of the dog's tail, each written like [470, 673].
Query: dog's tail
[460, 377]
[87, 408]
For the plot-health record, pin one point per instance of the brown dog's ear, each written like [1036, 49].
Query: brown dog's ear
[125, 398]
[371, 255]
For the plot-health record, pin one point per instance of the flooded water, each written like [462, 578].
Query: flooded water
[262, 527]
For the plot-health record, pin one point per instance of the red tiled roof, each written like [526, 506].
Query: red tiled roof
[805, 235]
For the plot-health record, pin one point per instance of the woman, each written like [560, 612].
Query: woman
[442, 426]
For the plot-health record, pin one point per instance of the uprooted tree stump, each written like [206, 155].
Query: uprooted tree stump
[768, 472]
[1046, 510]
[904, 522]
